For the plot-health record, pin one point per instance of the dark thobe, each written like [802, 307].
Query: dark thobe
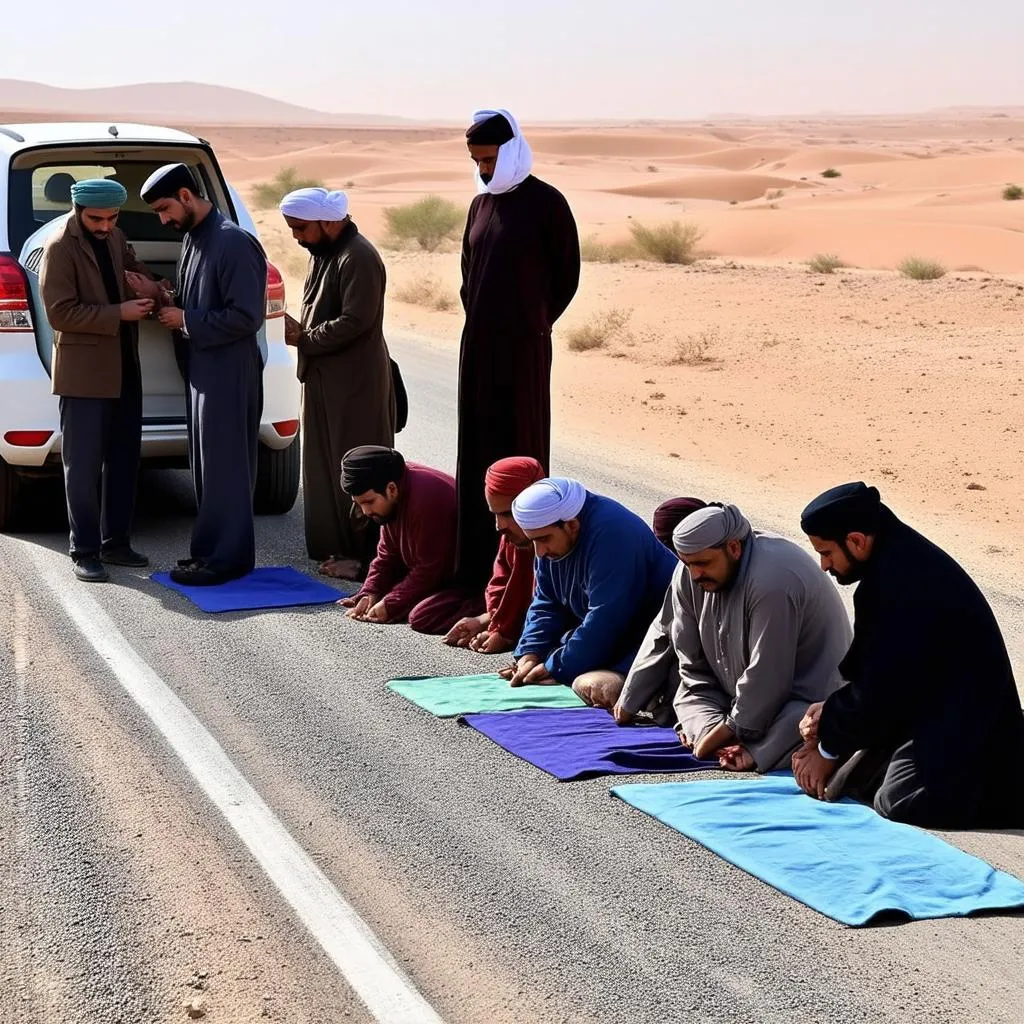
[101, 442]
[930, 685]
[348, 398]
[520, 270]
[222, 287]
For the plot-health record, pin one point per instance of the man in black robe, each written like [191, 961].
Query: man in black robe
[520, 270]
[929, 725]
[220, 304]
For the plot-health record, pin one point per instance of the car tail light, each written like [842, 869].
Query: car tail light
[275, 292]
[28, 438]
[14, 308]
[287, 428]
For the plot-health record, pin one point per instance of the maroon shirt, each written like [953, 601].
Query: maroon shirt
[416, 551]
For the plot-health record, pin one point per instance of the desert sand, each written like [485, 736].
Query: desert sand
[746, 363]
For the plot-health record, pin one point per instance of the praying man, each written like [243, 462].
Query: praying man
[928, 727]
[415, 509]
[759, 633]
[348, 397]
[219, 307]
[653, 679]
[85, 285]
[520, 271]
[510, 590]
[601, 576]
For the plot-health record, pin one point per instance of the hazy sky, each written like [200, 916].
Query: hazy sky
[543, 59]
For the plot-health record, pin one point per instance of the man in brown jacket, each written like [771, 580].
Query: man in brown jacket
[96, 373]
[348, 393]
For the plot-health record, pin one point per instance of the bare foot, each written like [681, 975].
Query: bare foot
[340, 568]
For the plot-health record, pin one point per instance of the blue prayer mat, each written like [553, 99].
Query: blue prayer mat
[580, 743]
[270, 587]
[841, 859]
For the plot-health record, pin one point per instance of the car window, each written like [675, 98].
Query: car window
[42, 192]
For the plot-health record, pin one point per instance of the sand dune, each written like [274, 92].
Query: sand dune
[726, 188]
[627, 144]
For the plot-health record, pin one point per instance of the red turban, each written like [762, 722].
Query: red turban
[669, 514]
[512, 476]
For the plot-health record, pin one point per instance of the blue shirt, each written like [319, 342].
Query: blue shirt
[591, 608]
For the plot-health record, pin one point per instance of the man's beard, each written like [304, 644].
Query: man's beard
[486, 178]
[322, 248]
[853, 574]
[384, 520]
[187, 222]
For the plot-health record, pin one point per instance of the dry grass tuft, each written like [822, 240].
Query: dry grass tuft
[696, 350]
[268, 194]
[425, 291]
[675, 242]
[599, 331]
[824, 263]
[921, 270]
[429, 222]
[593, 251]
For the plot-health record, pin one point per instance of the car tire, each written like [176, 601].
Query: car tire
[277, 479]
[10, 497]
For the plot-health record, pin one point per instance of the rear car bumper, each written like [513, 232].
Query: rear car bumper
[30, 415]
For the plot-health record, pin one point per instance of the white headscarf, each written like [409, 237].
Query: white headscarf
[515, 159]
[548, 501]
[710, 527]
[315, 204]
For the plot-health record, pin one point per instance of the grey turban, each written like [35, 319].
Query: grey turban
[710, 527]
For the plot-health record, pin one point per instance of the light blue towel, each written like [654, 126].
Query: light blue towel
[841, 859]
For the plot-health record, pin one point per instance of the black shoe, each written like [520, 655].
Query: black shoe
[124, 555]
[91, 570]
[202, 576]
[190, 563]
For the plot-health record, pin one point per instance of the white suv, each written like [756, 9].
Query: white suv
[38, 165]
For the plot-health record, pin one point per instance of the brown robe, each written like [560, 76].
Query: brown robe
[520, 270]
[348, 396]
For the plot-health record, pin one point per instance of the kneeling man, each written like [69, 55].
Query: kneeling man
[600, 577]
[416, 510]
[929, 725]
[759, 633]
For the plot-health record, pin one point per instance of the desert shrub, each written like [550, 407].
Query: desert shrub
[824, 263]
[596, 333]
[268, 194]
[668, 243]
[920, 269]
[775, 194]
[1013, 192]
[696, 350]
[652, 168]
[425, 291]
[594, 251]
[831, 172]
[428, 222]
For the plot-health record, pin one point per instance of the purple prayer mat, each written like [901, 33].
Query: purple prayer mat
[580, 743]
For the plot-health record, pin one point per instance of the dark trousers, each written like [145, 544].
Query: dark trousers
[100, 447]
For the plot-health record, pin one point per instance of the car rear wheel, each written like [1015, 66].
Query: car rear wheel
[10, 497]
[277, 479]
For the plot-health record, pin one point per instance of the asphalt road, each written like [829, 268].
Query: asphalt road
[502, 895]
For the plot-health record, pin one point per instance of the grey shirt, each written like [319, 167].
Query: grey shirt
[775, 636]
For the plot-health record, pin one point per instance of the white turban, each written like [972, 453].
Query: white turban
[515, 159]
[315, 204]
[709, 528]
[548, 501]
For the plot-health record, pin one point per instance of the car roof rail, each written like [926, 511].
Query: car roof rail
[11, 133]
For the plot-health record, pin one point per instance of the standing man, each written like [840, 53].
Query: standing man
[96, 373]
[520, 270]
[929, 726]
[348, 397]
[220, 306]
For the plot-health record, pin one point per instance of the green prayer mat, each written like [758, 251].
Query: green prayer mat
[450, 696]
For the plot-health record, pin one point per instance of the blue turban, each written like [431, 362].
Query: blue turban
[99, 193]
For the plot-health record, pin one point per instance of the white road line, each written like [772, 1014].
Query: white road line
[360, 956]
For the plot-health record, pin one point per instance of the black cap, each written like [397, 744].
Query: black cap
[495, 131]
[842, 510]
